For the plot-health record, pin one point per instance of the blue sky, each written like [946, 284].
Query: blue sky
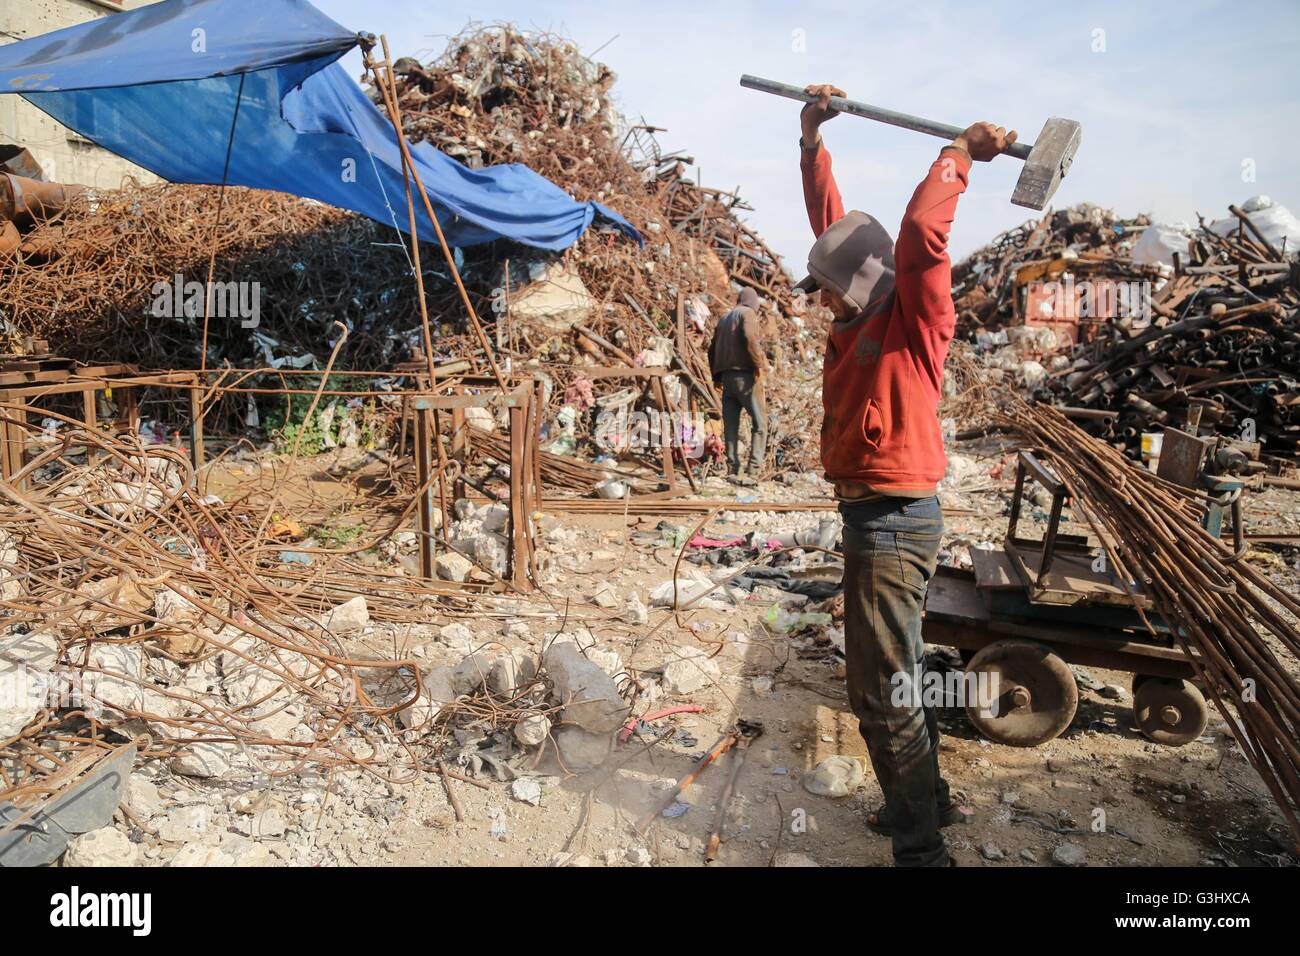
[1178, 100]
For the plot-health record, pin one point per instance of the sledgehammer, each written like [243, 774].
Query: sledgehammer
[1046, 161]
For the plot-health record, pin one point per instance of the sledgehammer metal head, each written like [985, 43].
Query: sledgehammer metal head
[1046, 161]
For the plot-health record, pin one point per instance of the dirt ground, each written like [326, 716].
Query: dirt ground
[1100, 788]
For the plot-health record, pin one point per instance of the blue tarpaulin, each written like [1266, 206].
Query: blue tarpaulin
[159, 86]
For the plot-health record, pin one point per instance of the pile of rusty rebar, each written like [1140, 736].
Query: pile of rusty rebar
[131, 602]
[1242, 625]
[710, 214]
[497, 95]
[88, 278]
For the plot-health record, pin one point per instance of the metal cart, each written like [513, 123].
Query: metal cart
[1030, 608]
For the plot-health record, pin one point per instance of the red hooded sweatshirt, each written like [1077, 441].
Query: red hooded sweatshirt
[882, 371]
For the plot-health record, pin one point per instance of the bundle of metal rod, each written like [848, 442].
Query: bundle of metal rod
[1242, 624]
[559, 471]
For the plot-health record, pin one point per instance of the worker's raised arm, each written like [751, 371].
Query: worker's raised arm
[820, 193]
[923, 269]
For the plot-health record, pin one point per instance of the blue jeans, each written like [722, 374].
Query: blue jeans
[890, 550]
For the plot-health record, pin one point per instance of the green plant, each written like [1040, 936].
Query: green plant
[337, 535]
[287, 415]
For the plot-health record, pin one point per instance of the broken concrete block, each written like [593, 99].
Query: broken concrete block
[458, 637]
[106, 846]
[693, 670]
[480, 420]
[1069, 854]
[185, 824]
[690, 591]
[527, 790]
[348, 617]
[634, 610]
[555, 303]
[531, 731]
[509, 672]
[202, 760]
[638, 856]
[608, 661]
[836, 776]
[580, 637]
[258, 855]
[604, 596]
[519, 630]
[588, 695]
[115, 676]
[267, 823]
[494, 517]
[579, 750]
[601, 562]
[451, 566]
[437, 689]
[491, 551]
[280, 721]
[143, 797]
[26, 663]
[470, 674]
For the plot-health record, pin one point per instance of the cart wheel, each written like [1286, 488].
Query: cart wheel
[1035, 693]
[1168, 710]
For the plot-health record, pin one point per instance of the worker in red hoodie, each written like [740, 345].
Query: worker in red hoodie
[882, 449]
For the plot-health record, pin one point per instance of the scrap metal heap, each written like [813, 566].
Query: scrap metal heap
[498, 95]
[87, 280]
[1211, 333]
[986, 289]
[1224, 345]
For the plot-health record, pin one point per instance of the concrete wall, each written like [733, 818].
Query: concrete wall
[64, 156]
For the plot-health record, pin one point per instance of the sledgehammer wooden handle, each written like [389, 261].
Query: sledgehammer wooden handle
[879, 114]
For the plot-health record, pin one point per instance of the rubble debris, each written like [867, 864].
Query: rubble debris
[991, 287]
[692, 670]
[532, 731]
[350, 616]
[588, 696]
[836, 776]
[106, 846]
[1069, 854]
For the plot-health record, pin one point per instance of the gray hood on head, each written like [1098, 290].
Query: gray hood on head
[749, 299]
[854, 258]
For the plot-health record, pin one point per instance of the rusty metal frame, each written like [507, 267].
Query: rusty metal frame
[20, 387]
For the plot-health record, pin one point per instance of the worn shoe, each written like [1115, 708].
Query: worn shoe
[878, 821]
